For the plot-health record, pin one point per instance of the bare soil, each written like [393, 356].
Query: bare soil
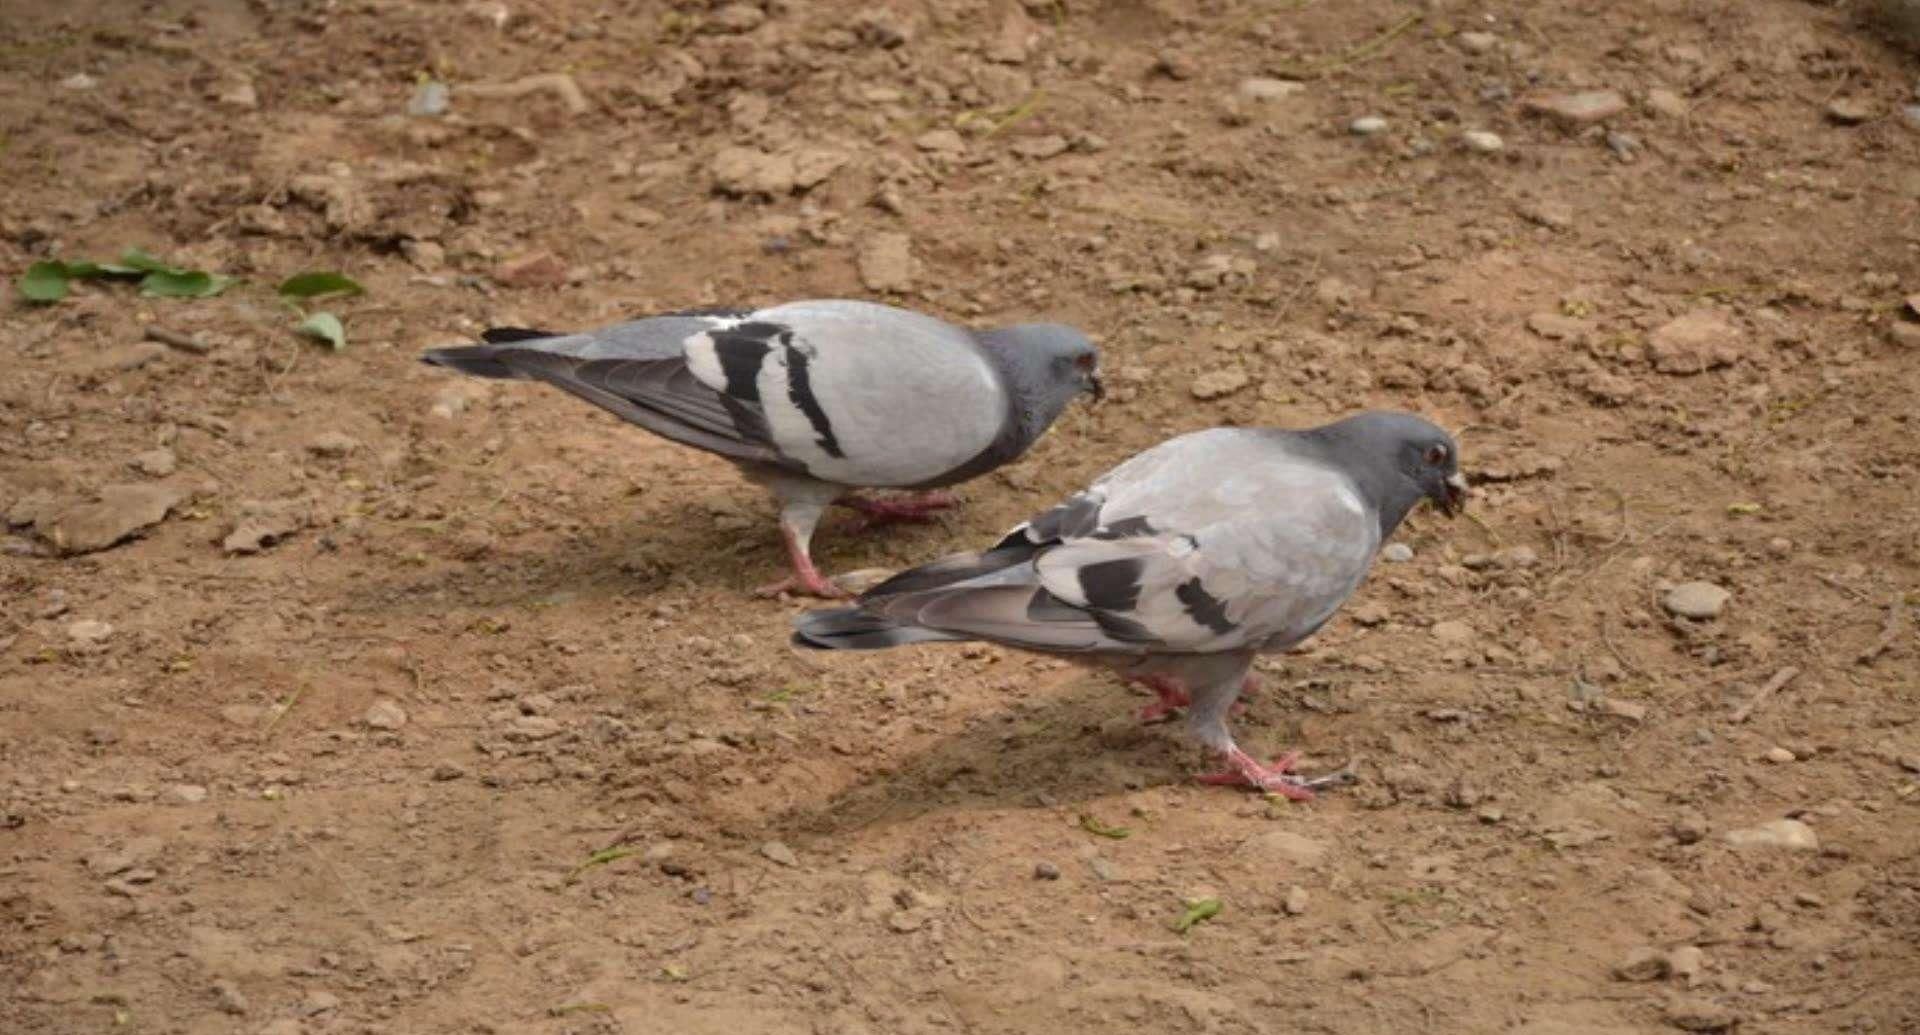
[352, 774]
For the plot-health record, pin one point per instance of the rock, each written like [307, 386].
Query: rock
[1297, 900]
[532, 270]
[1644, 963]
[385, 715]
[746, 172]
[1693, 343]
[1780, 756]
[1632, 711]
[331, 444]
[1483, 142]
[1692, 1014]
[1696, 600]
[1367, 126]
[1040, 148]
[261, 524]
[778, 852]
[187, 793]
[1218, 383]
[1850, 111]
[1667, 104]
[886, 262]
[1904, 334]
[1687, 963]
[1790, 834]
[1175, 65]
[88, 631]
[155, 463]
[1045, 871]
[238, 93]
[1453, 633]
[318, 1002]
[1396, 553]
[1477, 42]
[941, 141]
[1574, 110]
[79, 81]
[1263, 90]
[1288, 847]
[906, 922]
[119, 513]
[137, 853]
[228, 997]
[534, 727]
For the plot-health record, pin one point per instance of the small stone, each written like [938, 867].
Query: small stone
[1644, 963]
[1482, 141]
[1632, 711]
[1699, 601]
[1790, 834]
[1693, 343]
[88, 631]
[239, 93]
[940, 141]
[1667, 104]
[886, 263]
[119, 513]
[906, 922]
[1780, 756]
[1218, 383]
[1477, 42]
[1175, 65]
[318, 1002]
[1687, 963]
[1850, 111]
[1454, 633]
[1040, 148]
[1625, 146]
[430, 100]
[1690, 1014]
[1904, 334]
[1515, 557]
[533, 270]
[534, 727]
[1297, 900]
[1260, 89]
[229, 998]
[1396, 553]
[155, 463]
[1367, 126]
[187, 793]
[778, 852]
[385, 715]
[1045, 871]
[331, 444]
[79, 81]
[1579, 109]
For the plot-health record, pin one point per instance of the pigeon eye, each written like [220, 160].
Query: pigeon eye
[1084, 361]
[1436, 455]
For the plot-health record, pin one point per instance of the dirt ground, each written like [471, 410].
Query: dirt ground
[340, 739]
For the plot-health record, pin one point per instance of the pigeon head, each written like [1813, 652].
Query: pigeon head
[1047, 366]
[1398, 459]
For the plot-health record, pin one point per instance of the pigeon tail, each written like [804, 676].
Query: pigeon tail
[850, 628]
[478, 360]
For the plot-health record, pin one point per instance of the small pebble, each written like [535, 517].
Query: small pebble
[1045, 871]
[86, 630]
[1780, 756]
[1790, 834]
[1477, 42]
[1367, 126]
[187, 793]
[1297, 900]
[1482, 141]
[1696, 600]
[385, 715]
[779, 853]
[1396, 553]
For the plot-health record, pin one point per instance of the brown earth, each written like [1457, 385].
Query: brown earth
[348, 775]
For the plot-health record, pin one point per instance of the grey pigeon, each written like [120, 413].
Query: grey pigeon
[1179, 566]
[814, 399]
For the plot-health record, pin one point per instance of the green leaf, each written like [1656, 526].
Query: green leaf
[183, 284]
[44, 282]
[324, 326]
[1094, 826]
[319, 282]
[1198, 909]
[138, 261]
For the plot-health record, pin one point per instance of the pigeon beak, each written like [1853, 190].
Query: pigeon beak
[1455, 498]
[1096, 387]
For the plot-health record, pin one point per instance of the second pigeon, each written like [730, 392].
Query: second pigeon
[815, 399]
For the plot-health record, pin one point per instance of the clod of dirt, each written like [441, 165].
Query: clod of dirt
[1696, 600]
[1453, 633]
[1216, 384]
[886, 262]
[1297, 900]
[1693, 343]
[1691, 1014]
[941, 141]
[155, 463]
[1789, 834]
[385, 715]
[119, 513]
[778, 852]
[1851, 111]
[139, 852]
[1040, 148]
[1045, 871]
[1687, 963]
[187, 793]
[262, 524]
[1260, 89]
[1643, 963]
[746, 172]
[1477, 42]
[1574, 110]
[332, 444]
[533, 270]
[229, 999]
[1667, 104]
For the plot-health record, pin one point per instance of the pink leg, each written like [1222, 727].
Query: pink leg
[805, 578]
[1172, 695]
[898, 509]
[1243, 770]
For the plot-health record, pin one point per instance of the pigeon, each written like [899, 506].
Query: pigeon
[814, 399]
[1176, 568]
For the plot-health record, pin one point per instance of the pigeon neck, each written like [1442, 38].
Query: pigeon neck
[1381, 482]
[1034, 394]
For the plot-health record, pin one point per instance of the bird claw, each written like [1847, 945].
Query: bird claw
[811, 584]
[878, 513]
[1243, 770]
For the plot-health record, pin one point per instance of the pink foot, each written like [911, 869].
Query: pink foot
[806, 579]
[912, 509]
[1243, 770]
[1171, 695]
